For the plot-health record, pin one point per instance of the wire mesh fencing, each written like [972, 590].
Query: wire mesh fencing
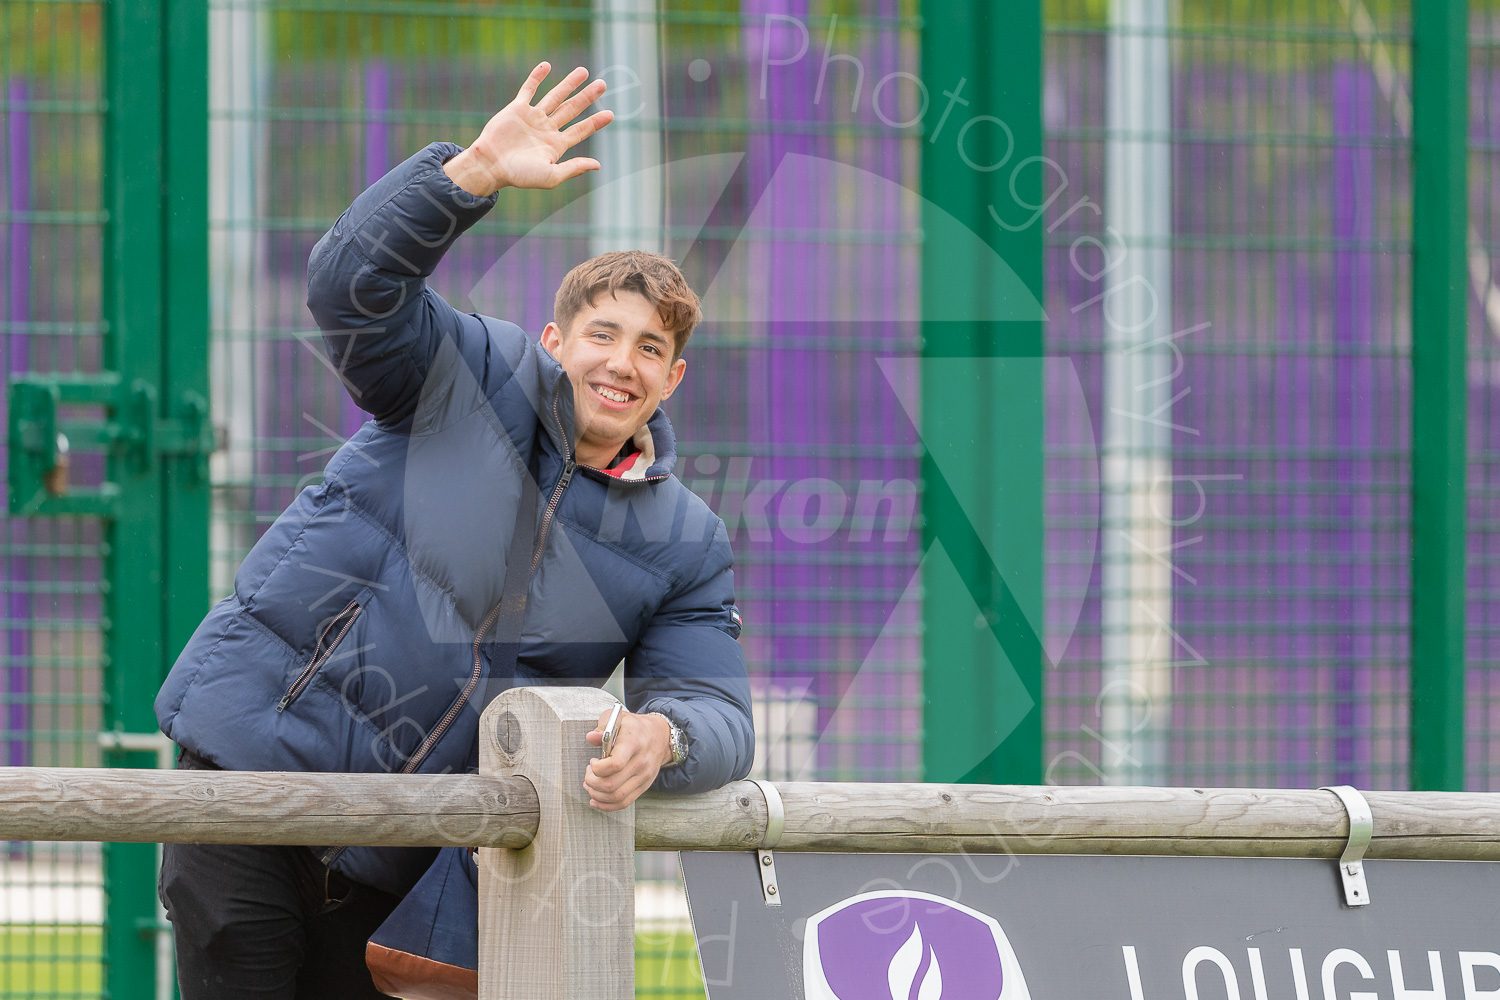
[1245, 620]
[1482, 688]
[51, 108]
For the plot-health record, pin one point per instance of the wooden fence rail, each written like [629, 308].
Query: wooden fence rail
[1025, 819]
[265, 807]
[249, 807]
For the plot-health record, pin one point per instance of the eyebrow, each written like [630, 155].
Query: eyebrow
[612, 325]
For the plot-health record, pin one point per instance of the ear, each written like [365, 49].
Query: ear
[674, 378]
[552, 338]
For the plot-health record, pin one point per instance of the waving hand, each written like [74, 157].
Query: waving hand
[523, 144]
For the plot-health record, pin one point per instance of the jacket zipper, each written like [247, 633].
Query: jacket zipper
[569, 466]
[536, 555]
[347, 617]
[541, 536]
[415, 760]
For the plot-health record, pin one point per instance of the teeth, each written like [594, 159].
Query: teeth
[618, 397]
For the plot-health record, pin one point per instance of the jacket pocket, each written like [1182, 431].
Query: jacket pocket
[328, 640]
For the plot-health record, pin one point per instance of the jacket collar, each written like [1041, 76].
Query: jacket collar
[658, 446]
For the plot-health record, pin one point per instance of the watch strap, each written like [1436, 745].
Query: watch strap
[677, 740]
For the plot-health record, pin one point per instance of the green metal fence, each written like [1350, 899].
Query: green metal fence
[106, 308]
[1257, 161]
[51, 70]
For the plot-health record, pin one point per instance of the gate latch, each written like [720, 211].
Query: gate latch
[45, 438]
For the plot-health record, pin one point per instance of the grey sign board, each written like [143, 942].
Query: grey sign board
[1018, 927]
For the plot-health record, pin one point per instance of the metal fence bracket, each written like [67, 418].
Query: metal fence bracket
[43, 430]
[1361, 828]
[765, 861]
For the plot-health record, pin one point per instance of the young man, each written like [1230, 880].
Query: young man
[369, 625]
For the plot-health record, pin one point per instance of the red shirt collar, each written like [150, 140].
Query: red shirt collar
[623, 466]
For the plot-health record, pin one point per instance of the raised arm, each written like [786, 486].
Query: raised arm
[367, 289]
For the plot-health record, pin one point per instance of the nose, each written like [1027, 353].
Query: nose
[622, 359]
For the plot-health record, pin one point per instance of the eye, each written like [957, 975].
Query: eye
[652, 348]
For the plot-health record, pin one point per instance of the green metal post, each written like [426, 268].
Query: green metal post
[185, 331]
[1439, 334]
[155, 288]
[982, 395]
[185, 507]
[132, 624]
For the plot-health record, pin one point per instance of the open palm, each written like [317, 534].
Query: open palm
[523, 144]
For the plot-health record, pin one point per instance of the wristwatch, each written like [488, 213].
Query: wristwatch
[678, 741]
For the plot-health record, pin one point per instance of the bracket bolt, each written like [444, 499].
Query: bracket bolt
[771, 889]
[766, 862]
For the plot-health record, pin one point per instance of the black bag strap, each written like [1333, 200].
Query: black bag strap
[513, 593]
[507, 634]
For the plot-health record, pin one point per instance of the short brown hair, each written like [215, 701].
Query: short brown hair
[650, 275]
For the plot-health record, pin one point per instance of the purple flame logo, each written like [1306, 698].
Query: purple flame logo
[908, 946]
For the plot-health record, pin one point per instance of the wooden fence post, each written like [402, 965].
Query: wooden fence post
[556, 918]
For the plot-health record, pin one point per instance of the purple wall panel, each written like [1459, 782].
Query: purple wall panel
[1353, 199]
[822, 414]
[778, 376]
[1288, 247]
[377, 162]
[1297, 714]
[1482, 687]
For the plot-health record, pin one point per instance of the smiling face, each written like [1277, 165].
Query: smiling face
[618, 355]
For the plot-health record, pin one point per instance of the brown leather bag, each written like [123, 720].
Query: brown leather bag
[428, 948]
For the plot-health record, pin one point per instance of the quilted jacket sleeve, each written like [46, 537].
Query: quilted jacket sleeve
[366, 286]
[689, 666]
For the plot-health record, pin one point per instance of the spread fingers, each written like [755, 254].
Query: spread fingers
[574, 105]
[555, 97]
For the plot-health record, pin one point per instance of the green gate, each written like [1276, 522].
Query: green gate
[105, 110]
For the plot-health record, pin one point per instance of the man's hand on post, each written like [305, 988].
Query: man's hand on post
[643, 746]
[521, 145]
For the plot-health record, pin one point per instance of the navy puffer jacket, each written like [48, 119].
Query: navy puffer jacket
[357, 637]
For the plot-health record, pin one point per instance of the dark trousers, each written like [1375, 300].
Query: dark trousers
[267, 922]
